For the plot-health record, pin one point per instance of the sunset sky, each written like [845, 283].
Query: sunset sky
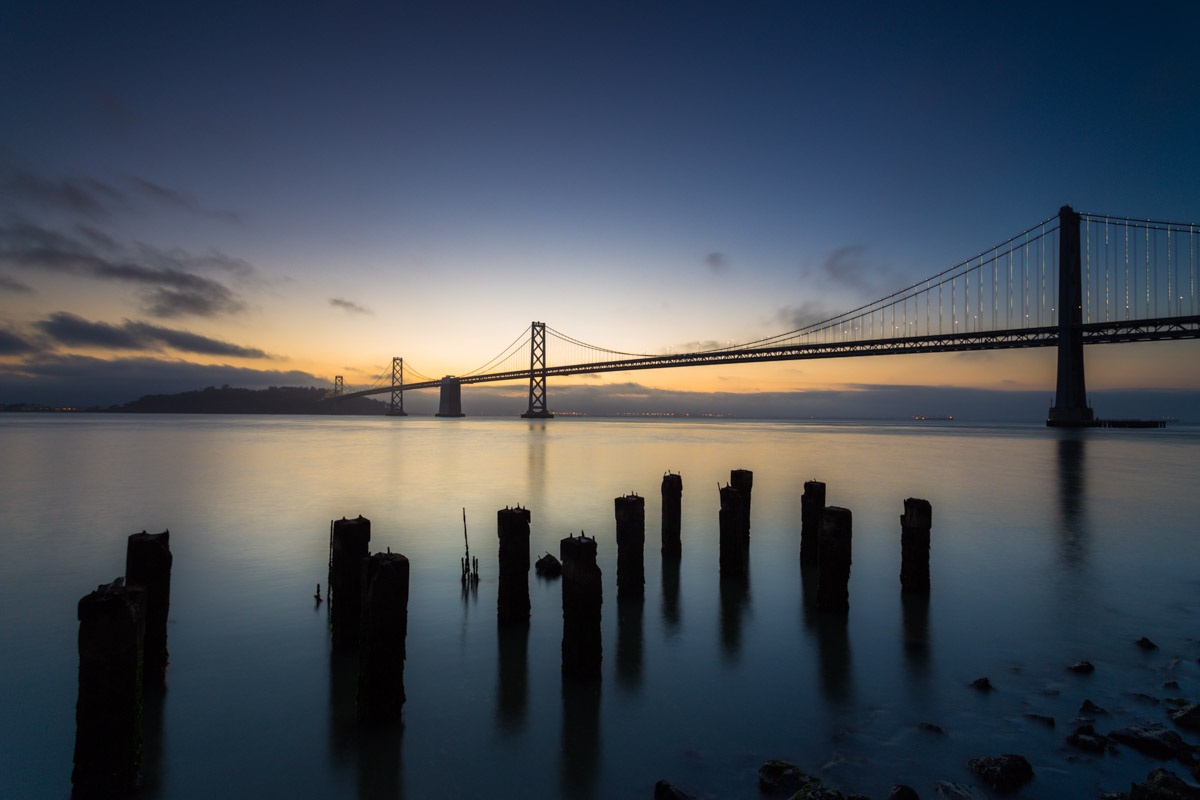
[255, 194]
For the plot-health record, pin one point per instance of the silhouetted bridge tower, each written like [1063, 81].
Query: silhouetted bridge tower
[1070, 280]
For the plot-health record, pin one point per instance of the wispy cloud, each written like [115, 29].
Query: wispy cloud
[84, 196]
[167, 279]
[13, 285]
[179, 199]
[349, 306]
[807, 313]
[73, 330]
[718, 263]
[851, 267]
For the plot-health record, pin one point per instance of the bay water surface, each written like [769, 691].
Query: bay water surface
[1048, 547]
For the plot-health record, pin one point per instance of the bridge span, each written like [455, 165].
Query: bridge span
[1069, 281]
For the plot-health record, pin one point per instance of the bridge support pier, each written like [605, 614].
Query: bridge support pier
[1070, 409]
[451, 400]
[537, 374]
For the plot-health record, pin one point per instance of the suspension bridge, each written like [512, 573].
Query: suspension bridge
[1070, 280]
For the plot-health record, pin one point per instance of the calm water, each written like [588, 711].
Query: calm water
[1047, 548]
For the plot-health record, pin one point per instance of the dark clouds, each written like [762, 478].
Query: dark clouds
[74, 380]
[12, 344]
[852, 268]
[168, 281]
[13, 285]
[72, 330]
[808, 313]
[349, 306]
[84, 196]
[179, 199]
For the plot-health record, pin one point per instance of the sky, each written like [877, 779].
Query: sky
[257, 194]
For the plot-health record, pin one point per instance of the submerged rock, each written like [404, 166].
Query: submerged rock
[780, 777]
[903, 792]
[1162, 784]
[1085, 738]
[1155, 741]
[1090, 708]
[1041, 718]
[1082, 668]
[1146, 644]
[665, 790]
[947, 790]
[982, 684]
[1187, 717]
[1003, 773]
[929, 727]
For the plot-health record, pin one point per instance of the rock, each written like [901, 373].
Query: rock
[1155, 741]
[1082, 668]
[780, 777]
[946, 790]
[1003, 773]
[816, 791]
[1090, 708]
[548, 566]
[665, 790]
[1187, 717]
[982, 684]
[1041, 718]
[1171, 684]
[929, 727]
[1162, 784]
[1085, 738]
[902, 792]
[1146, 644]
[1142, 697]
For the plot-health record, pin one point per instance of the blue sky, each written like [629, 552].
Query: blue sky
[277, 193]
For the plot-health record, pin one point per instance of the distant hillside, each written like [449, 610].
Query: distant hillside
[228, 400]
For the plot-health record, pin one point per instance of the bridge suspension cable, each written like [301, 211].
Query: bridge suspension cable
[508, 354]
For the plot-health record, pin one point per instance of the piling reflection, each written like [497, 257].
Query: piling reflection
[375, 751]
[512, 681]
[629, 642]
[833, 642]
[580, 762]
[671, 615]
[915, 610]
[735, 603]
[1071, 447]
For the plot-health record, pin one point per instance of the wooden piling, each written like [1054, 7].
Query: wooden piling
[915, 524]
[833, 581]
[384, 629]
[512, 593]
[812, 506]
[672, 499]
[630, 512]
[349, 546]
[734, 546]
[743, 481]
[582, 597]
[108, 713]
[148, 564]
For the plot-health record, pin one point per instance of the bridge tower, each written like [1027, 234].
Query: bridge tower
[396, 408]
[537, 374]
[339, 388]
[1070, 409]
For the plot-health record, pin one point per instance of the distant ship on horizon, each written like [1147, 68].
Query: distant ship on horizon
[932, 417]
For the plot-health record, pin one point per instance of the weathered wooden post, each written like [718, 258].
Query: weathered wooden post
[733, 548]
[349, 545]
[812, 506]
[630, 512]
[743, 481]
[915, 523]
[108, 714]
[582, 597]
[833, 581]
[384, 629]
[148, 564]
[672, 498]
[512, 592]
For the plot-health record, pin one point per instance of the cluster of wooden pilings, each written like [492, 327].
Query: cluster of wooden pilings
[122, 652]
[368, 610]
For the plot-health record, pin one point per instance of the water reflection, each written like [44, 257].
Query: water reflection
[1071, 451]
[915, 610]
[670, 593]
[735, 602]
[629, 641]
[376, 752]
[512, 682]
[580, 763]
[833, 642]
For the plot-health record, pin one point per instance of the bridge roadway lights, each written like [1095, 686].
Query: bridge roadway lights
[451, 400]
[543, 414]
